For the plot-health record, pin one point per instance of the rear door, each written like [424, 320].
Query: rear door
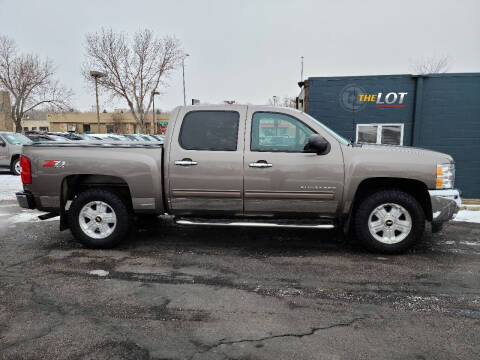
[205, 161]
[4, 160]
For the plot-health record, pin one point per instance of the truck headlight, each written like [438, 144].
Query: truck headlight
[445, 176]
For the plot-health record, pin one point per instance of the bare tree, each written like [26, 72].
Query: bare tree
[284, 102]
[118, 124]
[433, 65]
[135, 67]
[30, 82]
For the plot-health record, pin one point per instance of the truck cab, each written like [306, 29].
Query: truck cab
[218, 162]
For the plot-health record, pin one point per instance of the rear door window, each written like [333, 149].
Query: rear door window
[210, 130]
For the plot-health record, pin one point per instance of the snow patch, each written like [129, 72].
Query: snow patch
[9, 185]
[98, 272]
[470, 243]
[26, 216]
[468, 216]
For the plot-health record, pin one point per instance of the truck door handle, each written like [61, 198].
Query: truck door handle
[185, 162]
[260, 164]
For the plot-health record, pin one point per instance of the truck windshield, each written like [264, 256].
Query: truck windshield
[17, 139]
[330, 131]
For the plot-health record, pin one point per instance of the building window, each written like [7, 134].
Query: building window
[43, 128]
[86, 128]
[387, 134]
[25, 129]
[109, 129]
[72, 127]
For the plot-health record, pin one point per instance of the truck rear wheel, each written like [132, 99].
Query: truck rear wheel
[99, 219]
[389, 221]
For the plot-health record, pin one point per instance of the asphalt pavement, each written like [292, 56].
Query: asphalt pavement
[173, 292]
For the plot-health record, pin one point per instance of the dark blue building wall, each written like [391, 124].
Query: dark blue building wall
[449, 121]
[324, 103]
[442, 113]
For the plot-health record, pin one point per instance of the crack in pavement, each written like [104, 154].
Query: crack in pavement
[63, 311]
[23, 262]
[51, 309]
[312, 331]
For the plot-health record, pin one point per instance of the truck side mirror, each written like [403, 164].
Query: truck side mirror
[2, 144]
[317, 144]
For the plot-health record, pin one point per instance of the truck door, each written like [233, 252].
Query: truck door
[4, 160]
[205, 169]
[282, 180]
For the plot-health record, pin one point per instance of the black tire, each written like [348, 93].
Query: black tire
[118, 205]
[13, 166]
[371, 202]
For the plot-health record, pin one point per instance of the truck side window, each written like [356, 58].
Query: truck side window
[210, 130]
[274, 132]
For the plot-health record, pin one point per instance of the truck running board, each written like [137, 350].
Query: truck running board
[250, 223]
[47, 216]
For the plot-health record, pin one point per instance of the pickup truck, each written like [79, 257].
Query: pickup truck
[10, 150]
[238, 165]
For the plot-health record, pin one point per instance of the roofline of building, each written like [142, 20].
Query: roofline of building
[392, 75]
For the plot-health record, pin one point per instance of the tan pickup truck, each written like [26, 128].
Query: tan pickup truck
[233, 165]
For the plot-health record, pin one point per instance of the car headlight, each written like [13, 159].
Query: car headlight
[445, 176]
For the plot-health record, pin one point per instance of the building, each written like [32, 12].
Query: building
[119, 121]
[35, 120]
[116, 122]
[439, 112]
[6, 123]
[35, 125]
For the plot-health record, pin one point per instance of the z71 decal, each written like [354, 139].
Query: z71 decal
[54, 164]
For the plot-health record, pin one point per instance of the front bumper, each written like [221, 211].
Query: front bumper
[25, 200]
[445, 205]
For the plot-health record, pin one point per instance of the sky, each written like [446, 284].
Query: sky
[249, 51]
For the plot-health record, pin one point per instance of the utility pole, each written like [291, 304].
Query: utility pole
[96, 75]
[301, 71]
[183, 71]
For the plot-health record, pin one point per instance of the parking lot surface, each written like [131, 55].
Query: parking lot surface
[173, 292]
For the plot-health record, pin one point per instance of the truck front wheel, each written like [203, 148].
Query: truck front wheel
[99, 219]
[389, 221]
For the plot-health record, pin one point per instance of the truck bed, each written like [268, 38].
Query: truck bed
[135, 167]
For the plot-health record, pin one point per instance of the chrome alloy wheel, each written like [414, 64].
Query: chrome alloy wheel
[97, 219]
[18, 168]
[390, 223]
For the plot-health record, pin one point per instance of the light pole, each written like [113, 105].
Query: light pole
[274, 100]
[301, 71]
[183, 71]
[96, 75]
[153, 103]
